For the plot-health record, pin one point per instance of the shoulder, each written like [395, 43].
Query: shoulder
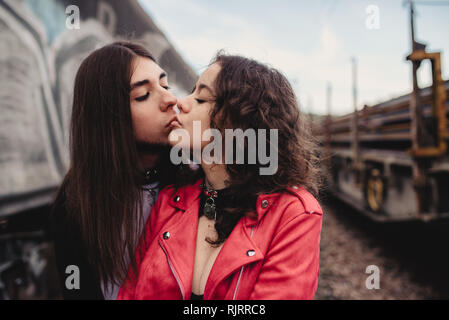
[185, 190]
[296, 202]
[166, 192]
[171, 200]
[303, 199]
[179, 196]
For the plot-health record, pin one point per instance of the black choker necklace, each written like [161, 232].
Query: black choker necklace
[210, 210]
[150, 176]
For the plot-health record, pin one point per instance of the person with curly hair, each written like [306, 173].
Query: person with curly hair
[236, 233]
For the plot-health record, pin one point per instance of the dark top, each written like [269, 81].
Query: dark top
[196, 297]
[69, 250]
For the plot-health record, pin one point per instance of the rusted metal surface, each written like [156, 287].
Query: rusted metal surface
[420, 148]
[414, 186]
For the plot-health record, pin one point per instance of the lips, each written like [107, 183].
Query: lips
[174, 123]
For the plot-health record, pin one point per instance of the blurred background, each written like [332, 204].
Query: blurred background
[372, 77]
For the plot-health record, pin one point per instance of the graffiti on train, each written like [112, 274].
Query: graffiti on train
[42, 44]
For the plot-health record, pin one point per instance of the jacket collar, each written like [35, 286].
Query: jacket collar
[185, 196]
[266, 201]
[308, 201]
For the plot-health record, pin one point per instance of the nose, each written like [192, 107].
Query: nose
[169, 101]
[183, 105]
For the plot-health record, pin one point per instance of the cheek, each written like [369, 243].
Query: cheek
[145, 122]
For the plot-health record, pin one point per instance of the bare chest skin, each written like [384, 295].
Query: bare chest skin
[205, 254]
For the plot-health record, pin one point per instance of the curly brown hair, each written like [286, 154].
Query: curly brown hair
[251, 95]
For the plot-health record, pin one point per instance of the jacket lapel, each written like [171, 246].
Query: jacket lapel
[238, 250]
[180, 246]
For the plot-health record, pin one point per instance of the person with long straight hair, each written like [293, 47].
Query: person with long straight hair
[119, 160]
[236, 233]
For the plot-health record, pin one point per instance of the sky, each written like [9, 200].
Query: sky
[312, 42]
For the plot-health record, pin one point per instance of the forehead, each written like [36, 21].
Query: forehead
[208, 77]
[145, 68]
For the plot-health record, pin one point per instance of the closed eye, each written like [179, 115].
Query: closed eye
[166, 87]
[143, 98]
[200, 101]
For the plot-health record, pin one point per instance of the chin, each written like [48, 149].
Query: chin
[164, 141]
[174, 139]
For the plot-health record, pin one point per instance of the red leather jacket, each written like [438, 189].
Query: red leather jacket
[274, 257]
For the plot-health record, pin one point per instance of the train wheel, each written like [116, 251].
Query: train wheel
[375, 191]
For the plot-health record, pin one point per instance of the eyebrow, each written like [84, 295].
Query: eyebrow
[146, 81]
[203, 86]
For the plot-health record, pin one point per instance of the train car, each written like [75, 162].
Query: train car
[390, 161]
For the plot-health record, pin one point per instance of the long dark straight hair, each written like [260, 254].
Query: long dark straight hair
[101, 191]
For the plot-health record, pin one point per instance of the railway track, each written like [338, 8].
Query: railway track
[411, 256]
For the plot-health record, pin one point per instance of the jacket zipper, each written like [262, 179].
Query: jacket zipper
[238, 282]
[241, 271]
[173, 270]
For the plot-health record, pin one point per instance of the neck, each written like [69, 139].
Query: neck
[216, 175]
[148, 160]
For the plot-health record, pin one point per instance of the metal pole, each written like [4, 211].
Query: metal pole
[328, 134]
[414, 107]
[419, 178]
[355, 127]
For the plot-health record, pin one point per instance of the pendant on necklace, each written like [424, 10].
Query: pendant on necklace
[210, 209]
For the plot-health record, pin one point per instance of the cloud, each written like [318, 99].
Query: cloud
[198, 42]
[311, 50]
